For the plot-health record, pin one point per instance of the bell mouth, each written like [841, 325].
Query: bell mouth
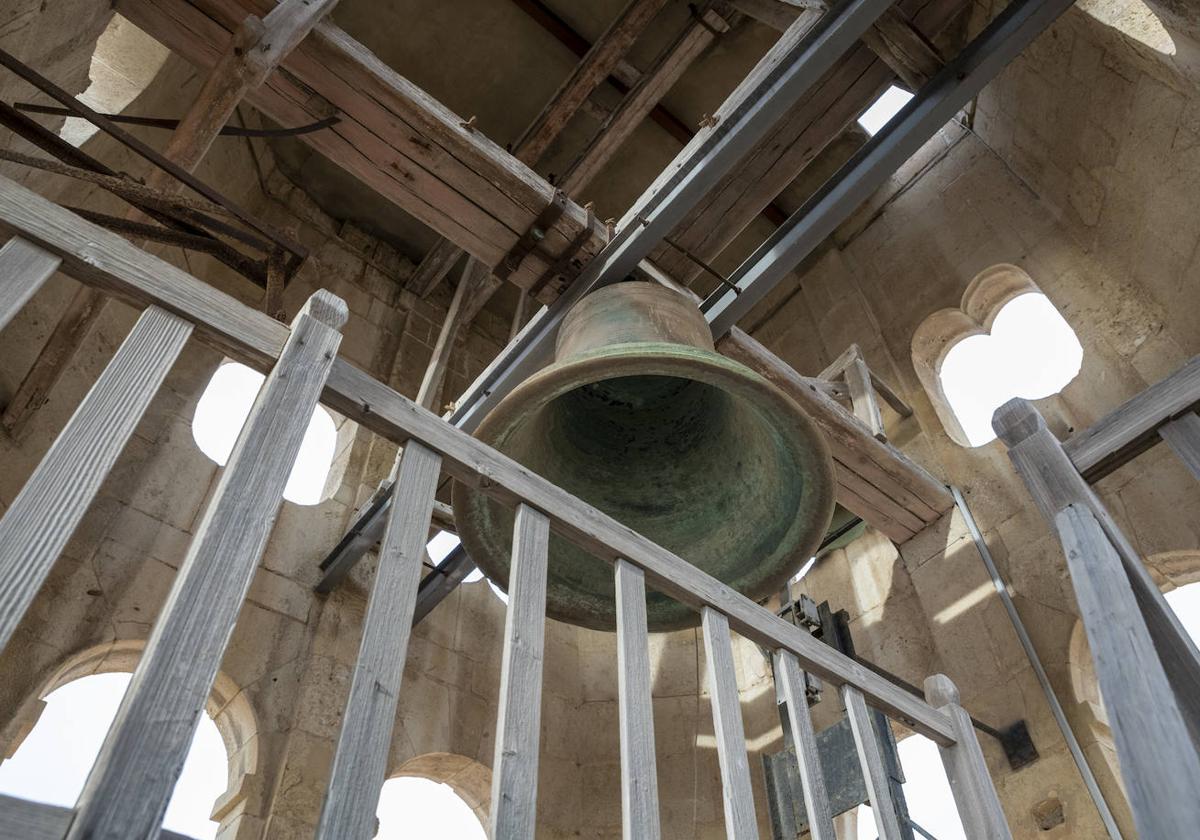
[690, 449]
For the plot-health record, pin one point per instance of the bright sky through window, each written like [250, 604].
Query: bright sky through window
[926, 790]
[222, 411]
[412, 808]
[53, 761]
[1031, 352]
[883, 109]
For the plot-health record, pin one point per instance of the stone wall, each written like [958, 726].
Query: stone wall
[1078, 170]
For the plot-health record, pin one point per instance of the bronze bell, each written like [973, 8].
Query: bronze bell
[641, 418]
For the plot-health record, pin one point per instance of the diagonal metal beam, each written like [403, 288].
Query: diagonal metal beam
[947, 93]
[709, 156]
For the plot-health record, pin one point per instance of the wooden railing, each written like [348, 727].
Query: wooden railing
[1147, 666]
[128, 789]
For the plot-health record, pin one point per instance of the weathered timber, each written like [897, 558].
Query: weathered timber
[518, 720]
[812, 779]
[360, 763]
[21, 819]
[1159, 762]
[966, 770]
[1132, 428]
[824, 113]
[127, 791]
[1183, 436]
[392, 136]
[1054, 483]
[635, 704]
[870, 758]
[96, 256]
[880, 465]
[600, 60]
[44, 515]
[642, 98]
[740, 823]
[24, 267]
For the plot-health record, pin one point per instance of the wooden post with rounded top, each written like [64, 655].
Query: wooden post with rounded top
[974, 794]
[127, 791]
[1054, 483]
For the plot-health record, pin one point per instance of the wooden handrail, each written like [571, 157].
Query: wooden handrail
[99, 257]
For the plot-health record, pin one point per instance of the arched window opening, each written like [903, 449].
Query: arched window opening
[222, 411]
[415, 808]
[883, 109]
[1006, 340]
[53, 761]
[926, 792]
[124, 64]
[476, 573]
[1185, 601]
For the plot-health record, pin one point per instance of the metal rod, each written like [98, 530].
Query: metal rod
[52, 90]
[667, 203]
[692, 258]
[170, 124]
[1056, 709]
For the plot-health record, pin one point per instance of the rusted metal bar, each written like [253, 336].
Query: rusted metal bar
[298, 252]
[171, 124]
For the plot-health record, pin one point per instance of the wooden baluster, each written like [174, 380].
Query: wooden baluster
[740, 823]
[871, 760]
[1183, 436]
[518, 721]
[974, 794]
[1159, 764]
[360, 764]
[812, 779]
[24, 267]
[1053, 483]
[48, 509]
[129, 786]
[639, 780]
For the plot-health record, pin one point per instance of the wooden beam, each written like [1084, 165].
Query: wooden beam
[25, 820]
[1183, 436]
[870, 759]
[1159, 763]
[130, 784]
[903, 48]
[518, 719]
[970, 783]
[736, 792]
[1054, 483]
[434, 267]
[635, 702]
[44, 515]
[897, 478]
[360, 763]
[599, 62]
[641, 100]
[822, 116]
[99, 257]
[893, 37]
[804, 739]
[1133, 427]
[250, 55]
[24, 267]
[392, 135]
[473, 277]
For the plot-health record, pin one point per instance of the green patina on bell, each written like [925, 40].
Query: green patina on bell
[640, 417]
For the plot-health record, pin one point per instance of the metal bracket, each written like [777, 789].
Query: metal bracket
[560, 265]
[529, 239]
